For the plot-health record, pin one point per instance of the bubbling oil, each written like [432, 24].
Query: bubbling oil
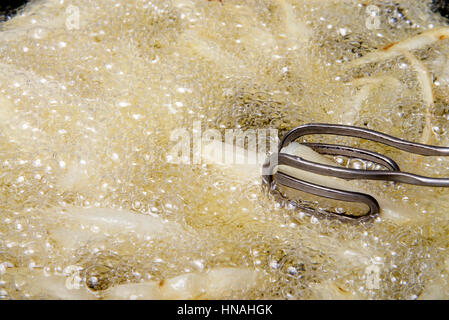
[91, 91]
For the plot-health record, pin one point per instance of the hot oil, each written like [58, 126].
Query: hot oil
[88, 105]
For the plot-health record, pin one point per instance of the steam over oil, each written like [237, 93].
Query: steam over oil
[91, 206]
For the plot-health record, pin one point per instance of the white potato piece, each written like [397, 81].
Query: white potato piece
[395, 49]
[62, 287]
[67, 285]
[74, 227]
[353, 105]
[211, 52]
[112, 221]
[297, 31]
[209, 285]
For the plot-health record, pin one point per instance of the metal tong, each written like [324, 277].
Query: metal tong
[392, 171]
